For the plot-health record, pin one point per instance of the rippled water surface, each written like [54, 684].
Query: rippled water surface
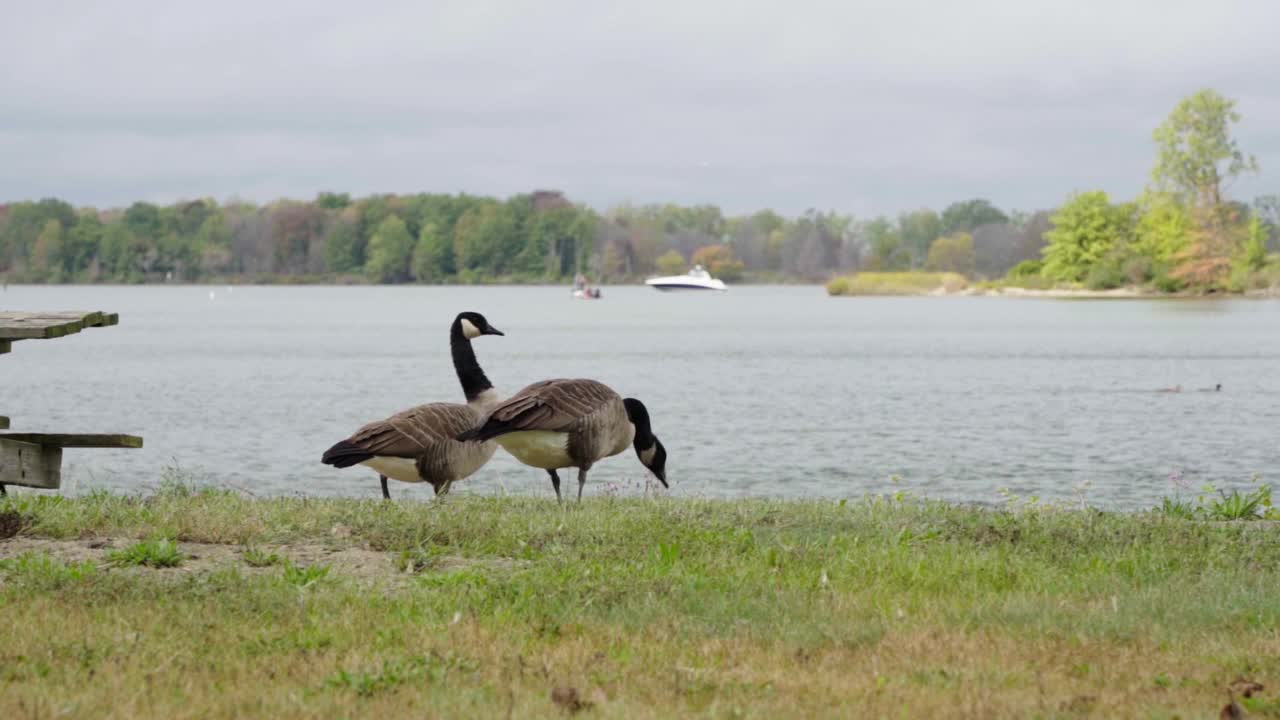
[759, 391]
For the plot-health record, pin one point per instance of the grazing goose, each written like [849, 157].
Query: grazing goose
[571, 423]
[417, 445]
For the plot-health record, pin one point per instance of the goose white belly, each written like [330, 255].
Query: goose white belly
[539, 448]
[465, 459]
[396, 468]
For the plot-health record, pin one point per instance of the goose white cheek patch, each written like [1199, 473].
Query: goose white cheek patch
[646, 456]
[469, 330]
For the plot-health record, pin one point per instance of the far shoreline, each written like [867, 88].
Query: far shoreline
[1123, 293]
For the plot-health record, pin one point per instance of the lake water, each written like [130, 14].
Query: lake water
[776, 391]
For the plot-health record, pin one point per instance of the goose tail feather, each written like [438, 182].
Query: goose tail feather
[345, 454]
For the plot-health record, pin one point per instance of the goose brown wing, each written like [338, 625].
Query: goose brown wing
[410, 432]
[553, 405]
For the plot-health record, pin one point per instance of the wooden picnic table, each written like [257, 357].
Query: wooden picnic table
[35, 459]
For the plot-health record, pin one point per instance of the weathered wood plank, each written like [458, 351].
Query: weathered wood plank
[5, 346]
[30, 465]
[4, 423]
[76, 440]
[47, 325]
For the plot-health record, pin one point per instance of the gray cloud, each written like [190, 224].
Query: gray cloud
[855, 106]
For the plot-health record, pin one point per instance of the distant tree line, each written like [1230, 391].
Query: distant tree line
[535, 237]
[1183, 232]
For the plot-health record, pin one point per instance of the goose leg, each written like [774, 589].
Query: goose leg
[582, 480]
[386, 495]
[555, 483]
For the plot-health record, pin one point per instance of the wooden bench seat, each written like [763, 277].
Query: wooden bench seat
[76, 440]
[35, 459]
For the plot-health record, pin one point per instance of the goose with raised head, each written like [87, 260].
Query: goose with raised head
[556, 424]
[418, 445]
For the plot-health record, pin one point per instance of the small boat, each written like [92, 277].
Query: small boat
[696, 279]
[583, 291]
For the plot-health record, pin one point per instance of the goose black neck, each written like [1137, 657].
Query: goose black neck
[639, 417]
[470, 375]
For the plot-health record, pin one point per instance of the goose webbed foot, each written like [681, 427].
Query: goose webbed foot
[385, 494]
[555, 483]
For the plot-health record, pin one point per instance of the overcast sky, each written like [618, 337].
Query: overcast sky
[863, 107]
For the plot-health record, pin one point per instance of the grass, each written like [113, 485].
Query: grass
[257, 557]
[304, 576]
[636, 608]
[156, 553]
[896, 283]
[1217, 504]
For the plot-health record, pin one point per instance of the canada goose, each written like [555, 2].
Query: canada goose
[556, 424]
[417, 445]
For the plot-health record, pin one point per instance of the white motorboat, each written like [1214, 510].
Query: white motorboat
[696, 279]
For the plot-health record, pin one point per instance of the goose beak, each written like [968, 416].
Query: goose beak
[491, 330]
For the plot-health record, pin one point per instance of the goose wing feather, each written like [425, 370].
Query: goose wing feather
[554, 405]
[411, 432]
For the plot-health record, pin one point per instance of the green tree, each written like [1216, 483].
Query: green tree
[482, 239]
[719, 261]
[214, 231]
[47, 256]
[969, 214]
[671, 263]
[1195, 151]
[1196, 156]
[333, 201]
[389, 251]
[1085, 230]
[919, 228]
[952, 253]
[118, 252]
[887, 252]
[1164, 228]
[1253, 252]
[144, 220]
[433, 256]
[342, 248]
[82, 242]
[25, 221]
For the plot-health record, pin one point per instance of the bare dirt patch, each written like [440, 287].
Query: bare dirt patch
[357, 563]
